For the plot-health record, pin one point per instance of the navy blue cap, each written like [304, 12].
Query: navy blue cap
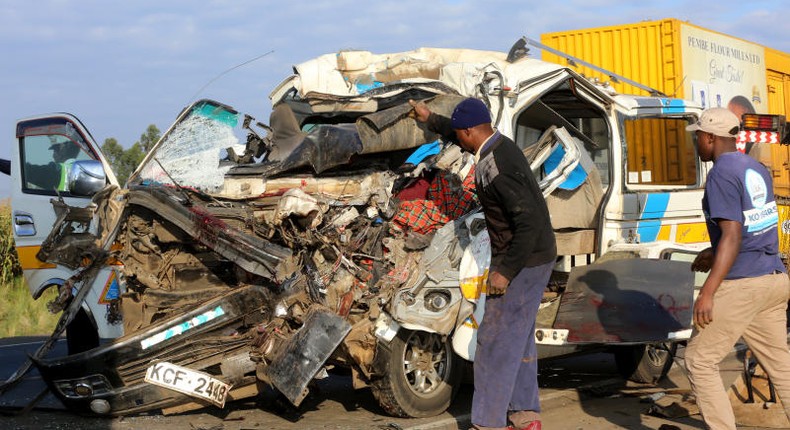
[469, 113]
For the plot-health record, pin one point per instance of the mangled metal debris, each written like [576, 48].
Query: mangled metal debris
[328, 239]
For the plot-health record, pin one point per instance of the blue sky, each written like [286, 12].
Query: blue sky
[120, 66]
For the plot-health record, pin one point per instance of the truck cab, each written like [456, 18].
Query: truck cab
[56, 158]
[637, 181]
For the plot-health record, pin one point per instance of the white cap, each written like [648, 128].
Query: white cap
[719, 121]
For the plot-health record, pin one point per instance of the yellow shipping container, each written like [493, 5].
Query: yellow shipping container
[645, 52]
[687, 61]
[777, 66]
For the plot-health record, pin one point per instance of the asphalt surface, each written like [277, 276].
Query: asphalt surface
[332, 403]
[577, 393]
[13, 353]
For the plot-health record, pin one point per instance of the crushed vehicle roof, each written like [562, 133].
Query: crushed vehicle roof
[317, 213]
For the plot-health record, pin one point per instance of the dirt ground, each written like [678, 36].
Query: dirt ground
[576, 394]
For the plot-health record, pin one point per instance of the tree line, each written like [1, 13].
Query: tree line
[124, 161]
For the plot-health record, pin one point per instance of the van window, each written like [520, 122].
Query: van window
[47, 148]
[660, 152]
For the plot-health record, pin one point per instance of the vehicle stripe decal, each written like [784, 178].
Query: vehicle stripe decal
[673, 106]
[471, 288]
[183, 327]
[696, 232]
[665, 232]
[28, 259]
[654, 210]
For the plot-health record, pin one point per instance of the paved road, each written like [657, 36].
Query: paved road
[13, 352]
[577, 393]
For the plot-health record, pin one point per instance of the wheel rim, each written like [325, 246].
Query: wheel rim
[424, 363]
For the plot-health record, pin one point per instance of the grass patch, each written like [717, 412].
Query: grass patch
[9, 263]
[20, 315]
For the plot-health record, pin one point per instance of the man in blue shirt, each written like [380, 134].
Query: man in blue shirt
[747, 289]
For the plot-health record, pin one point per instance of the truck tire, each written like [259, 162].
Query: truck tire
[81, 333]
[646, 364]
[421, 375]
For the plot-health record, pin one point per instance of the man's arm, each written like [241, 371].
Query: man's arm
[703, 261]
[726, 252]
[436, 123]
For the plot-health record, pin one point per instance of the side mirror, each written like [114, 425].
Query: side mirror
[86, 177]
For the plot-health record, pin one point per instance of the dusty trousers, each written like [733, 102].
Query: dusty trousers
[506, 360]
[752, 308]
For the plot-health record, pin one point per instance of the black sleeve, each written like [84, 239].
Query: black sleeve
[47, 176]
[517, 198]
[442, 126]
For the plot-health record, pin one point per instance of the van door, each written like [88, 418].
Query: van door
[47, 146]
[584, 114]
[662, 184]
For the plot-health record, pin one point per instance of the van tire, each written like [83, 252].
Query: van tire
[81, 333]
[646, 364]
[421, 375]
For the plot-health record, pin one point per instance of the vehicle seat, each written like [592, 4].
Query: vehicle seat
[574, 212]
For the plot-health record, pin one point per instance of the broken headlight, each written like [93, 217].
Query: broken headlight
[83, 387]
[437, 301]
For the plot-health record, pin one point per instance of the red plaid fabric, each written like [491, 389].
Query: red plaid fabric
[444, 202]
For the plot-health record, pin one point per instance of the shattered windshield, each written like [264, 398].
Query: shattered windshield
[191, 152]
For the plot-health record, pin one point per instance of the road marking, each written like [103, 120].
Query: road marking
[37, 342]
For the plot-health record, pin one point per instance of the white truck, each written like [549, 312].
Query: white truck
[259, 252]
[51, 151]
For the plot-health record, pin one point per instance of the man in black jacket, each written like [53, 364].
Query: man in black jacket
[523, 253]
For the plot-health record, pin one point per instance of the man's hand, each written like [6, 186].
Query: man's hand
[497, 284]
[421, 111]
[704, 261]
[703, 310]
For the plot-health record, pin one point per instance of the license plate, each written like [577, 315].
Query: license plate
[188, 381]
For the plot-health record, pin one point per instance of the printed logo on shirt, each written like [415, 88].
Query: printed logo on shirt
[763, 216]
[755, 186]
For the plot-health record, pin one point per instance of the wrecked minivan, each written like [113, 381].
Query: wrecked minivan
[343, 233]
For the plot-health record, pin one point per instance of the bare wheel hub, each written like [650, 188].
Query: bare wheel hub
[424, 362]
